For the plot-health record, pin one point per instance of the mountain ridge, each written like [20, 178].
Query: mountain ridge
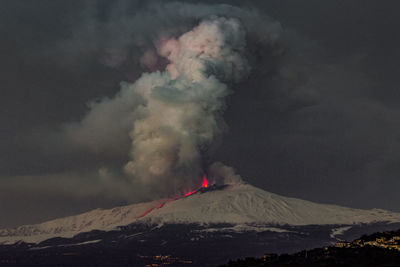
[239, 204]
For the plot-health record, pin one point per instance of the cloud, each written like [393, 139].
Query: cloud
[172, 117]
[124, 34]
[223, 175]
[37, 198]
[104, 128]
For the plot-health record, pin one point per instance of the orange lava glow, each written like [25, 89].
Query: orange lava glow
[205, 182]
[146, 212]
[190, 193]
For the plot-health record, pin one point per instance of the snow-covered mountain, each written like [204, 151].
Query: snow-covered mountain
[240, 204]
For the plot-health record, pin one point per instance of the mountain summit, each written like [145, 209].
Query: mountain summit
[241, 204]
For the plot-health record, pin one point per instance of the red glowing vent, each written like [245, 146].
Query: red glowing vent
[205, 182]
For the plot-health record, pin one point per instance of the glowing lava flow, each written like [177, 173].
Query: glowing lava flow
[190, 193]
[204, 184]
[146, 212]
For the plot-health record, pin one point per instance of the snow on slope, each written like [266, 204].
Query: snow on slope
[98, 219]
[244, 203]
[237, 204]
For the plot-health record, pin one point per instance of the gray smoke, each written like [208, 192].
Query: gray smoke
[223, 175]
[173, 115]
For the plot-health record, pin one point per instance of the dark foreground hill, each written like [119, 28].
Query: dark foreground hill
[378, 249]
[177, 245]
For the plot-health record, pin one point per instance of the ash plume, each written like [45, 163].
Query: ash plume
[179, 117]
[174, 114]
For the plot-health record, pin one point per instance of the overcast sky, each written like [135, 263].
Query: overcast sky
[318, 117]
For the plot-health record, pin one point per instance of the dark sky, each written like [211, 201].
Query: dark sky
[318, 120]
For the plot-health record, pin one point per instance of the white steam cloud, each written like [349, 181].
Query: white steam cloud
[180, 116]
[172, 116]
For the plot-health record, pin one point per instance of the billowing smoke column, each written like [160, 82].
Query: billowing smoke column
[182, 105]
[167, 119]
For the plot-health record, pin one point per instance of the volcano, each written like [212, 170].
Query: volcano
[242, 205]
[190, 228]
